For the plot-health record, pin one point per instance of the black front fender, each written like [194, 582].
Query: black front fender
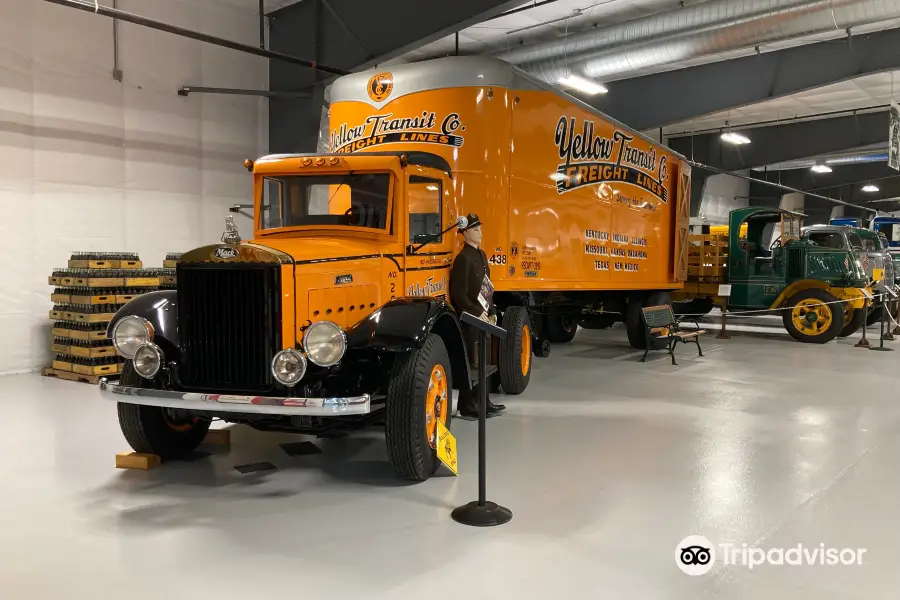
[402, 325]
[161, 309]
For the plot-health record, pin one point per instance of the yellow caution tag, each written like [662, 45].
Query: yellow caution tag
[877, 274]
[446, 448]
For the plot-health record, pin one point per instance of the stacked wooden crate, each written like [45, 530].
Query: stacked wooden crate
[85, 298]
[167, 279]
[707, 258]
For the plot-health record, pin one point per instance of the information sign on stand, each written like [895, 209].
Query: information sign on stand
[725, 290]
[446, 448]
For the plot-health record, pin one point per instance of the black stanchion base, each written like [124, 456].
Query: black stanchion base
[882, 348]
[862, 344]
[481, 516]
[888, 337]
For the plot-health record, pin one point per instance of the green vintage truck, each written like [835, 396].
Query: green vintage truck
[817, 288]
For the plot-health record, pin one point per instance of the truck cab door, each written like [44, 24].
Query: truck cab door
[427, 267]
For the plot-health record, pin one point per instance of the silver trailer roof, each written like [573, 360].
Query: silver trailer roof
[460, 71]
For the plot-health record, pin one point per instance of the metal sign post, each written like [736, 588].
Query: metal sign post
[724, 292]
[482, 513]
[864, 343]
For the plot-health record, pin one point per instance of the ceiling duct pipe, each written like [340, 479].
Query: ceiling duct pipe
[697, 31]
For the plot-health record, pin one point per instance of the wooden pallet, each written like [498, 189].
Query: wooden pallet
[70, 376]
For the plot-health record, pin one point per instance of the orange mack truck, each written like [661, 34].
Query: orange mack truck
[335, 315]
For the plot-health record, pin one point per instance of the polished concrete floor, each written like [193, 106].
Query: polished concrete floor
[607, 464]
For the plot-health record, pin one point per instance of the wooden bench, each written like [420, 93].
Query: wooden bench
[663, 331]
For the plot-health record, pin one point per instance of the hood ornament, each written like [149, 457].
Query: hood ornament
[231, 235]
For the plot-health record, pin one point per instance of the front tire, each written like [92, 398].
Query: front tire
[813, 316]
[515, 351]
[154, 430]
[419, 394]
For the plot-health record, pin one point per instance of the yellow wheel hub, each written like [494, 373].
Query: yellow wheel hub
[437, 403]
[525, 359]
[811, 316]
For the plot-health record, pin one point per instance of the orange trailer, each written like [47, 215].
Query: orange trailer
[585, 220]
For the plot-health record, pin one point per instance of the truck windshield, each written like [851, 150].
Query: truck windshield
[353, 200]
[829, 239]
[890, 230]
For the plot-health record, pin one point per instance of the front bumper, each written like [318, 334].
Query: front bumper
[261, 405]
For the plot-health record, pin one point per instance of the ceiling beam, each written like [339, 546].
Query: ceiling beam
[781, 143]
[664, 99]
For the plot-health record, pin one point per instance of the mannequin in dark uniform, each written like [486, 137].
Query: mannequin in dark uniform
[469, 270]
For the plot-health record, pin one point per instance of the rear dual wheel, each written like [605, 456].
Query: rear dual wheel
[560, 328]
[514, 363]
[853, 320]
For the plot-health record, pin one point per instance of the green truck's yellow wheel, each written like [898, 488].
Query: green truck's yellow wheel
[813, 316]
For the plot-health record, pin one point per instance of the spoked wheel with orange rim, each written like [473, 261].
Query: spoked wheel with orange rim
[813, 316]
[155, 430]
[515, 351]
[419, 396]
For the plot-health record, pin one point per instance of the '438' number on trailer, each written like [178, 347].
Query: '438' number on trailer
[497, 259]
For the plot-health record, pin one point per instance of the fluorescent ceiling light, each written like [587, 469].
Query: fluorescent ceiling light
[870, 188]
[821, 169]
[735, 138]
[583, 85]
[431, 188]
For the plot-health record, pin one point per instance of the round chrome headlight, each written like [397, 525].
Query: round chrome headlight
[130, 333]
[147, 360]
[325, 343]
[289, 367]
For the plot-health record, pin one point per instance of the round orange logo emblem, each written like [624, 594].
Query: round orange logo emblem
[380, 86]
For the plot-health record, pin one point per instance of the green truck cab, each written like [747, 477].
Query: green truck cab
[817, 288]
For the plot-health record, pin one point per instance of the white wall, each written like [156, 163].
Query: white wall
[721, 195]
[90, 163]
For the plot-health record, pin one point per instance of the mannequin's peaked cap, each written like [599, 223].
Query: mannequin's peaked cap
[473, 221]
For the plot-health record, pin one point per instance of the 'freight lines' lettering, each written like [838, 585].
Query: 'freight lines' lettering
[588, 158]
